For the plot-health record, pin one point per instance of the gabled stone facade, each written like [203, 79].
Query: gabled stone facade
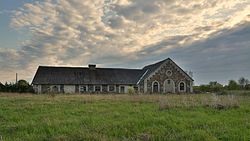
[167, 78]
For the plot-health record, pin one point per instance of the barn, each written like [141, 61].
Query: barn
[161, 77]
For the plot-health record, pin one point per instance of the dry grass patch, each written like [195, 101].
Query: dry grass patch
[190, 101]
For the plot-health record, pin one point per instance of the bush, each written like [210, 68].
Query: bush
[223, 92]
[245, 94]
[131, 91]
[247, 87]
[232, 85]
[22, 86]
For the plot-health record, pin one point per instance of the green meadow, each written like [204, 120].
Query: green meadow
[198, 117]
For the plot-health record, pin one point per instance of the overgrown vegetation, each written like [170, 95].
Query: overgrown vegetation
[209, 101]
[125, 117]
[131, 91]
[215, 87]
[21, 86]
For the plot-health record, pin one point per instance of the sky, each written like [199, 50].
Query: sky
[211, 38]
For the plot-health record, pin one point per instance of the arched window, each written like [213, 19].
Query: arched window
[155, 87]
[182, 86]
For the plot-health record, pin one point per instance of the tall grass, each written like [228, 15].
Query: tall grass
[124, 117]
[190, 101]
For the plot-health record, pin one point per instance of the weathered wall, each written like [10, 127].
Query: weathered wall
[69, 89]
[160, 75]
[37, 88]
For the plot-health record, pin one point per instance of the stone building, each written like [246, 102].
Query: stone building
[162, 77]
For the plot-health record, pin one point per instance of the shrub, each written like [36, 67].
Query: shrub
[232, 85]
[247, 87]
[223, 92]
[131, 91]
[245, 94]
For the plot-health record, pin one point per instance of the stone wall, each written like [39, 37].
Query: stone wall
[161, 75]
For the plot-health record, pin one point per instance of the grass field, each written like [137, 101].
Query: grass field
[124, 117]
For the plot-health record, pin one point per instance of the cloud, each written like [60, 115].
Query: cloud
[116, 32]
[218, 58]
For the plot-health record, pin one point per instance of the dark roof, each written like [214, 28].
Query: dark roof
[151, 68]
[80, 75]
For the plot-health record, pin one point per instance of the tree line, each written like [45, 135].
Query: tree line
[214, 86]
[22, 86]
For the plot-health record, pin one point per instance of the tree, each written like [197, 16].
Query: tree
[242, 82]
[214, 86]
[7, 87]
[204, 88]
[247, 82]
[247, 87]
[22, 86]
[232, 85]
[2, 87]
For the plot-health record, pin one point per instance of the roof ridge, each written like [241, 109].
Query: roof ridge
[72, 67]
[156, 63]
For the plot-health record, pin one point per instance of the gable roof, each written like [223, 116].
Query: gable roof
[81, 75]
[153, 67]
[150, 69]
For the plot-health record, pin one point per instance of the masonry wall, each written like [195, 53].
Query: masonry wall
[161, 75]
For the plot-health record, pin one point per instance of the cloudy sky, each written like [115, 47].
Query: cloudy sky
[211, 38]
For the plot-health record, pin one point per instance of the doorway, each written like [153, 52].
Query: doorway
[169, 86]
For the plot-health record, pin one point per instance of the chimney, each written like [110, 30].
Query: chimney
[16, 78]
[92, 66]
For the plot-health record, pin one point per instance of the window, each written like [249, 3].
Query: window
[104, 88]
[111, 88]
[122, 89]
[83, 89]
[182, 86]
[136, 88]
[97, 88]
[62, 88]
[155, 87]
[169, 81]
[91, 89]
[169, 73]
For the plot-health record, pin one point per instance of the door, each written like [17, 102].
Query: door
[169, 86]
